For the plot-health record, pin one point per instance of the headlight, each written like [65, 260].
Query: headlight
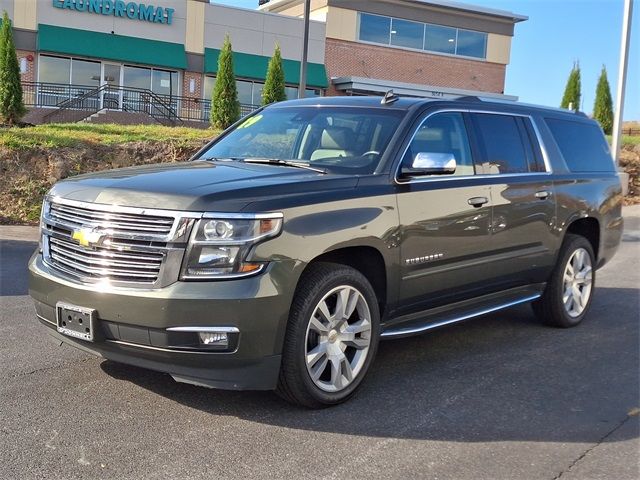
[220, 244]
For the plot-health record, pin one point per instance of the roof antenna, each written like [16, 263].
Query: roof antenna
[389, 98]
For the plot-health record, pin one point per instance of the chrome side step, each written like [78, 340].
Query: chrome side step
[430, 324]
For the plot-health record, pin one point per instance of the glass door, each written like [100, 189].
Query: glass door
[111, 97]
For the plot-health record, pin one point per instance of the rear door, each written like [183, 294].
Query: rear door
[522, 196]
[445, 220]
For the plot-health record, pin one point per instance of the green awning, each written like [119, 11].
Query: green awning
[247, 65]
[108, 46]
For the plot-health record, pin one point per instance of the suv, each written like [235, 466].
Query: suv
[288, 246]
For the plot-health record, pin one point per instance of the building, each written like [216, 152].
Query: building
[129, 61]
[418, 47]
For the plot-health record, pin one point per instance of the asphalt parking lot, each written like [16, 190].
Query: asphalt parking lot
[500, 397]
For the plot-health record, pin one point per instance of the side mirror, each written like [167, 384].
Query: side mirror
[430, 163]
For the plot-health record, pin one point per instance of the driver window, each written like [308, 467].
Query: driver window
[443, 133]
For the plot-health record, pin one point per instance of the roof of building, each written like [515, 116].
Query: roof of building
[463, 7]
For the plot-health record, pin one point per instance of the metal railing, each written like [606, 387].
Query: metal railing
[74, 103]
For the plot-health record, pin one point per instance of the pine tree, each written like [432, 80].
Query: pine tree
[571, 97]
[603, 106]
[11, 103]
[274, 84]
[225, 107]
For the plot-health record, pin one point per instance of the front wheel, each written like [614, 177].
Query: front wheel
[331, 338]
[568, 294]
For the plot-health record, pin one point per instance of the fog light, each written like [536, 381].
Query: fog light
[213, 339]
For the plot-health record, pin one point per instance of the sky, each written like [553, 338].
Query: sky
[558, 33]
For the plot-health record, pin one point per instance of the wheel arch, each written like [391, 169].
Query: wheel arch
[589, 228]
[368, 260]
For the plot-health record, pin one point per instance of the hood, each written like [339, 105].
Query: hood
[197, 185]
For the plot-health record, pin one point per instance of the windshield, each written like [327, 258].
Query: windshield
[335, 139]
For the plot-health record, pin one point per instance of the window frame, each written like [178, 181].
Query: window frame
[388, 44]
[473, 141]
[525, 144]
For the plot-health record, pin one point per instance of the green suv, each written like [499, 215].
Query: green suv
[282, 253]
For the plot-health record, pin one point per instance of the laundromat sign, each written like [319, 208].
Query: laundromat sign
[118, 8]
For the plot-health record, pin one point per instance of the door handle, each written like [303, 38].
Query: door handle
[543, 194]
[477, 201]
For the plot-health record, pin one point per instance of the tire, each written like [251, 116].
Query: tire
[317, 331]
[561, 305]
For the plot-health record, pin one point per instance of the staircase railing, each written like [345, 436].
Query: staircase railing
[77, 108]
[73, 103]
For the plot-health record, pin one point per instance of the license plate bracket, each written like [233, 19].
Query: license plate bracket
[74, 321]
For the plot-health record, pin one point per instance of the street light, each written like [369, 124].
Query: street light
[622, 78]
[305, 46]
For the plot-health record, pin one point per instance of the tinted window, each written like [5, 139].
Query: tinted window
[407, 34]
[442, 133]
[582, 145]
[374, 28]
[471, 44]
[502, 143]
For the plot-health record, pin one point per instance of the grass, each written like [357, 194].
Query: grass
[73, 134]
[627, 140]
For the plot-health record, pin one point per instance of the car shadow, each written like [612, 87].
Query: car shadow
[501, 377]
[14, 257]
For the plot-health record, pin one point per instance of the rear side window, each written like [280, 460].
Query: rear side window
[582, 145]
[504, 143]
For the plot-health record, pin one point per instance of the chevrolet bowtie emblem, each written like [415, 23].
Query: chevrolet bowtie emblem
[88, 236]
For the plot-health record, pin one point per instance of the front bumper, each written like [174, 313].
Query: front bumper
[131, 323]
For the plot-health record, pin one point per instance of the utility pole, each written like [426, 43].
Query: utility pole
[305, 46]
[622, 78]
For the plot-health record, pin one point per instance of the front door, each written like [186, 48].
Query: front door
[445, 221]
[111, 97]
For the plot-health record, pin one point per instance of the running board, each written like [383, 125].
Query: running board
[431, 321]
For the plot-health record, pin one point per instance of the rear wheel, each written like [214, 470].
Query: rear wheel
[567, 298]
[331, 338]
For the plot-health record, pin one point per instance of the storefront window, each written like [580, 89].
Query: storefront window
[136, 77]
[291, 92]
[54, 69]
[165, 82]
[245, 91]
[250, 93]
[209, 83]
[84, 72]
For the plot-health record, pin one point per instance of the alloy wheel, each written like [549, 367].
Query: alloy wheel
[577, 282]
[338, 338]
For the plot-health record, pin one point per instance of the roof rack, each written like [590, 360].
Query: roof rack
[389, 98]
[469, 98]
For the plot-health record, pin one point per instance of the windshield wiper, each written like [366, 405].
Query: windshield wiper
[277, 161]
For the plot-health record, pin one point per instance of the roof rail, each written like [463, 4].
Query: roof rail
[469, 98]
[389, 98]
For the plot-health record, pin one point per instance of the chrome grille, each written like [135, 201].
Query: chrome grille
[126, 246]
[116, 222]
[99, 263]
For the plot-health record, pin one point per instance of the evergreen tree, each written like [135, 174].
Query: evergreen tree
[603, 106]
[571, 97]
[11, 104]
[225, 107]
[273, 90]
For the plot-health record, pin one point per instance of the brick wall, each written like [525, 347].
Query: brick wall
[186, 79]
[344, 58]
[30, 74]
